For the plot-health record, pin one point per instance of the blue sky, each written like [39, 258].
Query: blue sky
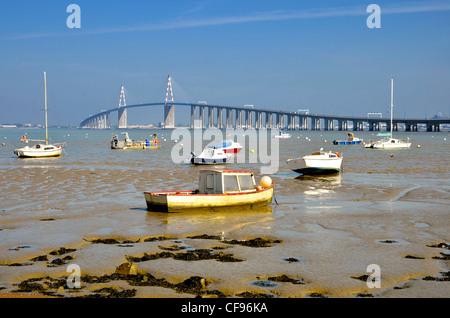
[282, 54]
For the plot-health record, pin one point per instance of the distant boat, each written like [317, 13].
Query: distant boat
[352, 140]
[282, 135]
[228, 146]
[389, 142]
[210, 156]
[40, 150]
[218, 189]
[128, 143]
[317, 163]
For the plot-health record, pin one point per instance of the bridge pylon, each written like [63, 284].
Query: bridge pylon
[122, 109]
[169, 111]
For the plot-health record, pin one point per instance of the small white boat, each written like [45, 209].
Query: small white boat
[317, 163]
[210, 156]
[228, 146]
[218, 189]
[40, 150]
[389, 142]
[282, 135]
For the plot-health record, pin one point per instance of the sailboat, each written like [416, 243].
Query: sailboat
[40, 150]
[389, 142]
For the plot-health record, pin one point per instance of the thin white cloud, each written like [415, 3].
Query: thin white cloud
[181, 23]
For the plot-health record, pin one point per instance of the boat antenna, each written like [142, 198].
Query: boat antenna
[45, 89]
[392, 101]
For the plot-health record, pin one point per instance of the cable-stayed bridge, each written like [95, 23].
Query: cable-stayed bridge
[247, 117]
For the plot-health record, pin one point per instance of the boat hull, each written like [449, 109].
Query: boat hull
[391, 146]
[176, 201]
[307, 165]
[346, 142]
[28, 153]
[282, 137]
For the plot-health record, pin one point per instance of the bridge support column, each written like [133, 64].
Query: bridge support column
[304, 123]
[210, 117]
[169, 116]
[260, 120]
[229, 116]
[193, 116]
[122, 118]
[203, 117]
[240, 118]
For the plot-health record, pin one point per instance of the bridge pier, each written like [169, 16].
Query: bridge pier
[122, 117]
[193, 115]
[433, 127]
[169, 116]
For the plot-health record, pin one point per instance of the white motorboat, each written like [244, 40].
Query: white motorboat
[317, 163]
[389, 142]
[282, 135]
[40, 149]
[210, 156]
[228, 146]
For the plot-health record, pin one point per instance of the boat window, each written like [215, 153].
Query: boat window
[210, 181]
[230, 183]
[246, 182]
[48, 148]
[332, 156]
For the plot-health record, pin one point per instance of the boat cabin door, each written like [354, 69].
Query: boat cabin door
[210, 182]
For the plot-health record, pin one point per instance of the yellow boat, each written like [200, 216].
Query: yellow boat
[218, 189]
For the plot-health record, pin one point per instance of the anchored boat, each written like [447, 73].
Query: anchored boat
[389, 142]
[282, 135]
[210, 156]
[218, 189]
[317, 163]
[128, 143]
[352, 140]
[40, 150]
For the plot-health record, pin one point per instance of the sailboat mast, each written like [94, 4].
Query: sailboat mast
[45, 89]
[392, 101]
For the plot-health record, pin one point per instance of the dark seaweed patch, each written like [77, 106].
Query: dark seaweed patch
[445, 277]
[62, 251]
[256, 242]
[286, 279]
[195, 255]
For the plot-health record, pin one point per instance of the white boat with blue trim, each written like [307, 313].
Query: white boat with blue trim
[210, 156]
[320, 162]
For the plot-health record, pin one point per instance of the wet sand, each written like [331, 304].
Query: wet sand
[320, 252]
[315, 240]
